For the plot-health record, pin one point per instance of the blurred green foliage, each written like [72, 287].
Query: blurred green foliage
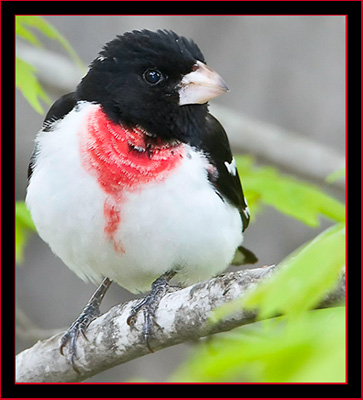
[306, 276]
[303, 345]
[290, 196]
[27, 82]
[310, 348]
[23, 228]
[26, 79]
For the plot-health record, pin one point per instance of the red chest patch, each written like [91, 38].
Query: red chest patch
[123, 159]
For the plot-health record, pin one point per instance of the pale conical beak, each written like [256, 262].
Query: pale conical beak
[200, 85]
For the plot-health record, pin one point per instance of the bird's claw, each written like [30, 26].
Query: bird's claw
[90, 312]
[149, 305]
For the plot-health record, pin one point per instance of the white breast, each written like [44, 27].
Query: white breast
[179, 223]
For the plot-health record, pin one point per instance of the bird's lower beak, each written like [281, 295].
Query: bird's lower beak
[200, 85]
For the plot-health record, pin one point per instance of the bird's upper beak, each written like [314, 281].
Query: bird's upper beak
[200, 85]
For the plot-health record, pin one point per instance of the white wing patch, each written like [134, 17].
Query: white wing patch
[246, 211]
[231, 167]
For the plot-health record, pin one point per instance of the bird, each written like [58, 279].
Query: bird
[133, 181]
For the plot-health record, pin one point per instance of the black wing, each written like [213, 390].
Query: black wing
[58, 110]
[226, 181]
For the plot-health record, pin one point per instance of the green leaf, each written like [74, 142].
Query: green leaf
[336, 175]
[301, 281]
[26, 34]
[305, 276]
[298, 199]
[48, 30]
[312, 349]
[301, 346]
[24, 226]
[26, 79]
[27, 82]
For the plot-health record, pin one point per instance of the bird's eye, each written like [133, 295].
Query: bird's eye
[153, 76]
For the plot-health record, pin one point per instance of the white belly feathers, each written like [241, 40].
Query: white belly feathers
[178, 222]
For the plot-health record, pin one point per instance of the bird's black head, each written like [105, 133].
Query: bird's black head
[156, 80]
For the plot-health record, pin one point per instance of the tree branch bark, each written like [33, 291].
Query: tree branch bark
[182, 315]
[266, 141]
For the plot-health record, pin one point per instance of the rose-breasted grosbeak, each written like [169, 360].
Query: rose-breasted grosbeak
[132, 180]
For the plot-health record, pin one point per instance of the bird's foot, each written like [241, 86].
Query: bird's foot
[149, 305]
[89, 313]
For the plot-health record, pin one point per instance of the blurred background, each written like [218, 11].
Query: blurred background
[287, 81]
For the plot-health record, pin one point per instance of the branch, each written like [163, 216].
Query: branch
[27, 330]
[268, 142]
[182, 315]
